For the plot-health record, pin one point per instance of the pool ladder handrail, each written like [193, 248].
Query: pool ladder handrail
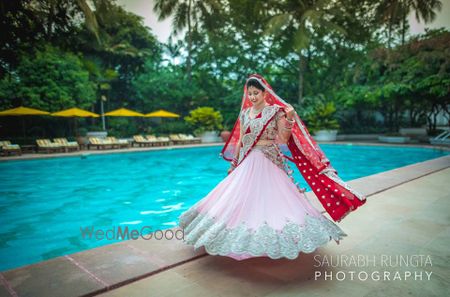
[442, 138]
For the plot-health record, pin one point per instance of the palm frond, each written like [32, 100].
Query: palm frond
[165, 8]
[180, 19]
[301, 38]
[276, 22]
[90, 19]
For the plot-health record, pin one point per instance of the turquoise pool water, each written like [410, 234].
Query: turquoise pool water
[44, 203]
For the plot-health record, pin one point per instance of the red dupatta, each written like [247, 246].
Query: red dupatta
[337, 198]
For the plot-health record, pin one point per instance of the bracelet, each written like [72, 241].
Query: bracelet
[289, 125]
[290, 121]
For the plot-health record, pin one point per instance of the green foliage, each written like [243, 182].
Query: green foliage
[59, 54]
[322, 116]
[170, 126]
[204, 119]
[50, 80]
[412, 79]
[166, 89]
[123, 126]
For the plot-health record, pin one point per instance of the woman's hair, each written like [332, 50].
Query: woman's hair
[253, 82]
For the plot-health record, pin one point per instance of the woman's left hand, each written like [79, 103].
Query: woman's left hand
[290, 112]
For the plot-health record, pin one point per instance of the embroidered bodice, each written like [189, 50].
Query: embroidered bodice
[251, 128]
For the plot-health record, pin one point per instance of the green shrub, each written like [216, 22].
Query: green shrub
[170, 127]
[122, 127]
[204, 119]
[322, 117]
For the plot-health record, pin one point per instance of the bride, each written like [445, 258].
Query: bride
[257, 209]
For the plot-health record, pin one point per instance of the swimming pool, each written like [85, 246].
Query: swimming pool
[44, 203]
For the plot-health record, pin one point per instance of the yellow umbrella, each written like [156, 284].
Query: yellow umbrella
[75, 112]
[20, 111]
[123, 112]
[162, 114]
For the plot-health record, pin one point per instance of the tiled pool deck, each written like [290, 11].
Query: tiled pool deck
[407, 213]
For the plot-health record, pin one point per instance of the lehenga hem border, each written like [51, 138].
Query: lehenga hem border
[204, 230]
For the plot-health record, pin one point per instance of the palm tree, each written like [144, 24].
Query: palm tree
[186, 13]
[395, 13]
[90, 19]
[295, 24]
[172, 49]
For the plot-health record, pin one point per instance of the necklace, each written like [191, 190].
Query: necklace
[254, 113]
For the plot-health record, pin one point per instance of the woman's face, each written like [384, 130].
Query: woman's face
[255, 95]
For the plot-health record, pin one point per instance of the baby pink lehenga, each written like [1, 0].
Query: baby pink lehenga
[258, 210]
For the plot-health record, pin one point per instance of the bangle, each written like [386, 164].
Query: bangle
[290, 120]
[289, 125]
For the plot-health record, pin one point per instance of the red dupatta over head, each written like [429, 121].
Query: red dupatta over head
[336, 196]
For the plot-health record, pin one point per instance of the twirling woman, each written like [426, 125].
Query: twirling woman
[258, 209]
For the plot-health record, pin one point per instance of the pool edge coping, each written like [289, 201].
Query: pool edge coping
[40, 156]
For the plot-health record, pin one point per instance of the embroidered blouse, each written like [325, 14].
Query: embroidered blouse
[272, 116]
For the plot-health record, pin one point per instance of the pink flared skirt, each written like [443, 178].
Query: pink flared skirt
[257, 211]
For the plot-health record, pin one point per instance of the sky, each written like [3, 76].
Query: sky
[162, 29]
[144, 8]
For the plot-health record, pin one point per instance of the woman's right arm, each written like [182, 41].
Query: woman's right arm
[236, 153]
[239, 142]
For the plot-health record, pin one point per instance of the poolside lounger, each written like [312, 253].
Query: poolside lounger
[194, 139]
[164, 140]
[67, 145]
[152, 138]
[190, 138]
[45, 145]
[184, 139]
[6, 148]
[158, 141]
[175, 138]
[118, 142]
[141, 141]
[100, 143]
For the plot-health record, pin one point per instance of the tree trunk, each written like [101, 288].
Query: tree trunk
[411, 117]
[390, 30]
[301, 71]
[188, 62]
[430, 128]
[435, 118]
[403, 25]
